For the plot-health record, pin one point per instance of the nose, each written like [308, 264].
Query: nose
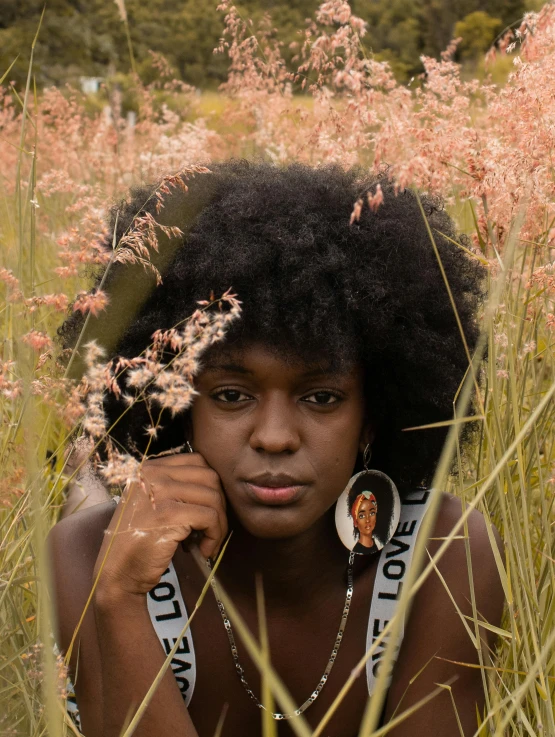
[275, 428]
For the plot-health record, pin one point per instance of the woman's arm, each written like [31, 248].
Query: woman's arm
[126, 549]
[116, 654]
[131, 657]
[435, 634]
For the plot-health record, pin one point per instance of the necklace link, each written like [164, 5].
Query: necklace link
[322, 682]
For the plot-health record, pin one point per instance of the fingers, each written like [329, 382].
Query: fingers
[203, 475]
[179, 459]
[181, 467]
[194, 495]
[180, 482]
[189, 491]
[197, 517]
[175, 521]
[184, 484]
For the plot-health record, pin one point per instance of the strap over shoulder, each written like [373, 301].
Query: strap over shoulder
[393, 565]
[169, 616]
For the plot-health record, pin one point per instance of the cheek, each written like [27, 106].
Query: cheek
[337, 447]
[217, 441]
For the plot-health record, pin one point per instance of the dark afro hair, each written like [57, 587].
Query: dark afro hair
[312, 285]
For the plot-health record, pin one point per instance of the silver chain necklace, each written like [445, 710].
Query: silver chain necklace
[314, 695]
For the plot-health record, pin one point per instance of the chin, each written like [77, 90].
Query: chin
[273, 523]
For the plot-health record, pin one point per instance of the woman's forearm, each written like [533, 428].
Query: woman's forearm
[131, 658]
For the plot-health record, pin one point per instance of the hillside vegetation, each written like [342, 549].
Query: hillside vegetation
[88, 38]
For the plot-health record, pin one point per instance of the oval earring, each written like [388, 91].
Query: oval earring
[367, 512]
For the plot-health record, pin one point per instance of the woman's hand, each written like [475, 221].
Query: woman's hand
[181, 493]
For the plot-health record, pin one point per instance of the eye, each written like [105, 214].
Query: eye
[230, 396]
[322, 398]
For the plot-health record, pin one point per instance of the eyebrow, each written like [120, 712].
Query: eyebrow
[233, 368]
[237, 368]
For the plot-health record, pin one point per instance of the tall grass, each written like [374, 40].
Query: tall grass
[63, 167]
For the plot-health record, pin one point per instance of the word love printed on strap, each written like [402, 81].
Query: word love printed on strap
[393, 566]
[169, 615]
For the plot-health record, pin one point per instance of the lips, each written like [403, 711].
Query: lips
[275, 489]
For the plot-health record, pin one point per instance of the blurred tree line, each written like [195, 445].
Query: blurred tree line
[87, 37]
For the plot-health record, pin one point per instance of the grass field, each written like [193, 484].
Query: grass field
[487, 150]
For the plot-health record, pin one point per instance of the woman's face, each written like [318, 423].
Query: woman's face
[282, 435]
[366, 519]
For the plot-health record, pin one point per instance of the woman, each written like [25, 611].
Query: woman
[364, 513]
[346, 338]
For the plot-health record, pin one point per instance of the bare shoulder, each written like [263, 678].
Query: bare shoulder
[86, 524]
[481, 538]
[450, 512]
[73, 545]
[468, 568]
[449, 630]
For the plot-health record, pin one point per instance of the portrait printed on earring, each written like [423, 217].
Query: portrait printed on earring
[367, 512]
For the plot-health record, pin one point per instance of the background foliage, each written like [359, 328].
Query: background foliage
[87, 37]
